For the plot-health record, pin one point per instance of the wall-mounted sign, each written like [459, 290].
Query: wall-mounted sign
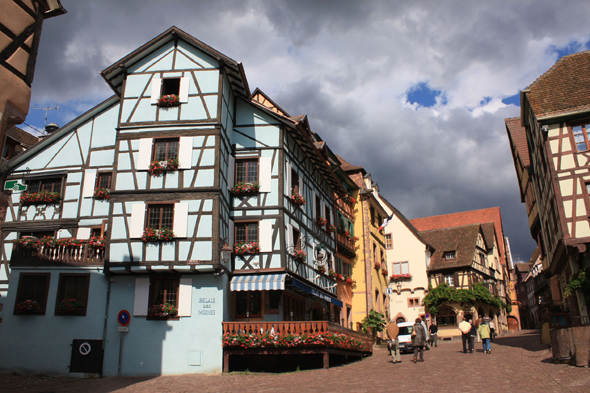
[124, 318]
[15, 185]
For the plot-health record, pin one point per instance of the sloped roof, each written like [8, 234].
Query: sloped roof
[263, 99]
[462, 239]
[22, 136]
[406, 222]
[488, 233]
[522, 267]
[563, 88]
[347, 166]
[517, 134]
[452, 220]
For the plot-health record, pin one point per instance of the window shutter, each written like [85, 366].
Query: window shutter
[265, 236]
[185, 152]
[300, 185]
[231, 172]
[231, 234]
[89, 182]
[456, 279]
[289, 235]
[142, 296]
[145, 153]
[185, 295]
[265, 173]
[288, 177]
[156, 89]
[183, 94]
[322, 208]
[83, 233]
[315, 208]
[137, 220]
[180, 219]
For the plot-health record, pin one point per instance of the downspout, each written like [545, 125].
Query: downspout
[106, 317]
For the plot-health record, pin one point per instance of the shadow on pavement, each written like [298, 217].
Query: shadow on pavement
[41, 383]
[529, 340]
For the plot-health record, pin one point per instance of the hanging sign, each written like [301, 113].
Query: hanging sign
[15, 185]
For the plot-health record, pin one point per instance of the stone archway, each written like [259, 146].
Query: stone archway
[400, 318]
[512, 322]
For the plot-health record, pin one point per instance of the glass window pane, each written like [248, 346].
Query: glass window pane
[577, 130]
[405, 268]
[581, 146]
[253, 232]
[396, 268]
[240, 233]
[255, 303]
[253, 171]
[172, 149]
[241, 171]
[167, 214]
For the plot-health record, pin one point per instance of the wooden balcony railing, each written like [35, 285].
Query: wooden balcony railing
[346, 245]
[296, 328]
[79, 255]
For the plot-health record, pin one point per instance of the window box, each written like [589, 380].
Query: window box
[349, 280]
[102, 194]
[384, 272]
[157, 168]
[164, 311]
[331, 273]
[96, 243]
[27, 243]
[168, 100]
[247, 248]
[244, 188]
[298, 199]
[31, 294]
[377, 265]
[27, 307]
[321, 269]
[151, 235]
[349, 200]
[400, 277]
[321, 221]
[331, 228]
[40, 198]
[299, 254]
[70, 306]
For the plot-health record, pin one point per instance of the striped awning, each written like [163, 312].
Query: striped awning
[258, 282]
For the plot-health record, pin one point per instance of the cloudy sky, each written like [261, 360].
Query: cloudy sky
[414, 91]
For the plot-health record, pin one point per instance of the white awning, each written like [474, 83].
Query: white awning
[259, 282]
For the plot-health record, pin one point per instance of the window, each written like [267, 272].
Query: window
[294, 307]
[165, 149]
[375, 260]
[318, 207]
[72, 288]
[446, 317]
[388, 241]
[401, 268]
[170, 86]
[50, 185]
[103, 180]
[295, 182]
[248, 304]
[450, 255]
[38, 234]
[327, 215]
[273, 302]
[247, 171]
[160, 216]
[296, 238]
[449, 280]
[414, 302]
[372, 211]
[482, 259]
[581, 137]
[99, 231]
[246, 232]
[31, 296]
[164, 290]
[343, 267]
[383, 260]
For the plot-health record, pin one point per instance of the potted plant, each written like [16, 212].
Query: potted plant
[321, 221]
[150, 235]
[27, 242]
[102, 194]
[349, 281]
[157, 168]
[166, 234]
[400, 277]
[384, 272]
[331, 273]
[377, 265]
[349, 200]
[298, 199]
[165, 310]
[96, 243]
[247, 248]
[40, 198]
[27, 307]
[168, 100]
[69, 306]
[331, 228]
[243, 188]
[299, 254]
[321, 269]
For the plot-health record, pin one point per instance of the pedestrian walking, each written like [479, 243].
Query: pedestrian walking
[492, 330]
[484, 332]
[423, 323]
[465, 328]
[392, 331]
[418, 340]
[472, 334]
[433, 329]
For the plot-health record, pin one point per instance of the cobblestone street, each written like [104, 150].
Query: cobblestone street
[518, 363]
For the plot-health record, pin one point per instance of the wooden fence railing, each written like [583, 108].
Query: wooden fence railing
[296, 328]
[83, 254]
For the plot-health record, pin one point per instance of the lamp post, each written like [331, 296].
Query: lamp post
[225, 253]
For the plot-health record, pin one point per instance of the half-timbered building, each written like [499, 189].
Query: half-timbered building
[133, 207]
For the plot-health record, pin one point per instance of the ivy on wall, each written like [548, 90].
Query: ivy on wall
[445, 294]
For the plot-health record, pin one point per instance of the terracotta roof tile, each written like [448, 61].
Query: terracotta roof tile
[462, 240]
[346, 166]
[518, 135]
[563, 88]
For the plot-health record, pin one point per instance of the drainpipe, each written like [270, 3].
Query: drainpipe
[106, 316]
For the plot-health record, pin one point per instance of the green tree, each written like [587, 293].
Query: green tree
[375, 321]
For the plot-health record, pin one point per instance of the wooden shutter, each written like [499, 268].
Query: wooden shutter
[180, 219]
[141, 297]
[183, 93]
[231, 172]
[265, 235]
[137, 220]
[289, 235]
[301, 185]
[89, 182]
[156, 89]
[231, 234]
[145, 154]
[315, 208]
[185, 296]
[265, 173]
[83, 233]
[288, 177]
[185, 152]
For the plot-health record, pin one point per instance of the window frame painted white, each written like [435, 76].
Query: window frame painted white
[141, 296]
[185, 292]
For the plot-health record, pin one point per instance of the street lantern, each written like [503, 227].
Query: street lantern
[225, 253]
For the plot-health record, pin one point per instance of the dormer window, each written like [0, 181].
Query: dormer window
[170, 86]
[450, 255]
[169, 91]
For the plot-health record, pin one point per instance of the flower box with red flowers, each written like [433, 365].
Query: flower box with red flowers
[384, 271]
[96, 243]
[27, 307]
[151, 235]
[47, 242]
[102, 194]
[243, 188]
[377, 265]
[68, 242]
[267, 340]
[400, 277]
[70, 306]
[321, 269]
[157, 168]
[165, 310]
[349, 281]
[247, 248]
[349, 200]
[27, 242]
[299, 254]
[331, 273]
[340, 277]
[321, 221]
[298, 199]
[169, 100]
[331, 228]
[40, 198]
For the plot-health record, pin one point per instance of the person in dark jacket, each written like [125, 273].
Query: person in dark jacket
[392, 332]
[418, 340]
[472, 334]
[433, 334]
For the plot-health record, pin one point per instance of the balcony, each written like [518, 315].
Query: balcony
[345, 245]
[293, 338]
[80, 255]
[302, 269]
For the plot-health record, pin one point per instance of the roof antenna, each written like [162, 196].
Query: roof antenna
[46, 113]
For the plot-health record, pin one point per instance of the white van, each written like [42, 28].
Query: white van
[405, 336]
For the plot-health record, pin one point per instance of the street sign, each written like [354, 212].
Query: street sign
[15, 185]
[124, 318]
[124, 329]
[389, 291]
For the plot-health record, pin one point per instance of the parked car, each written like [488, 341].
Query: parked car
[405, 336]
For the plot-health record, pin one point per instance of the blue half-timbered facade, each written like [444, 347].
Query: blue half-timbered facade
[128, 207]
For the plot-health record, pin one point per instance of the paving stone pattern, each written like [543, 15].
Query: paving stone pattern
[518, 363]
